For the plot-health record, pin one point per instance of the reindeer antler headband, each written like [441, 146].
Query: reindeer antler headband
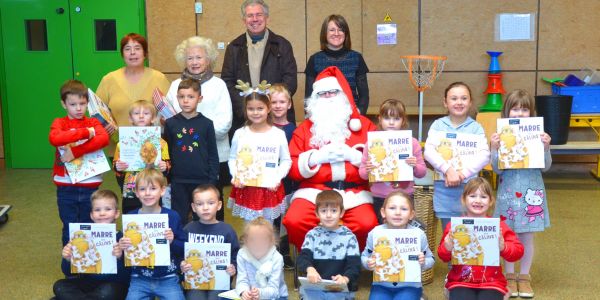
[246, 89]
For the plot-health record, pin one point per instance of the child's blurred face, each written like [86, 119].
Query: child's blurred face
[149, 193]
[104, 210]
[205, 205]
[477, 204]
[397, 212]
[188, 100]
[330, 216]
[257, 112]
[458, 101]
[280, 104]
[519, 112]
[390, 123]
[259, 240]
[141, 117]
[75, 105]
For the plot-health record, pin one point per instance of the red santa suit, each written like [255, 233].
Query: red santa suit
[341, 175]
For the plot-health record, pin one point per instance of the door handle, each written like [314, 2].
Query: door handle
[60, 10]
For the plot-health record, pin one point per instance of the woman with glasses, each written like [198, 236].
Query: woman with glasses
[336, 50]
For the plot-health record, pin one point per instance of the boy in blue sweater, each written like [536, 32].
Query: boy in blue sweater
[208, 229]
[192, 148]
[160, 281]
[330, 250]
[95, 286]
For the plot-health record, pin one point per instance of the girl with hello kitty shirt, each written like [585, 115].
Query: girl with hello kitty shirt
[521, 196]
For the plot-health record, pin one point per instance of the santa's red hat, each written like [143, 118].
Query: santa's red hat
[331, 79]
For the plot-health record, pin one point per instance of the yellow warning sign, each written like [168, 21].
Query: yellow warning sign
[387, 18]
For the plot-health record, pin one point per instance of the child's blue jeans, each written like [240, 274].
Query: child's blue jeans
[74, 206]
[401, 293]
[144, 288]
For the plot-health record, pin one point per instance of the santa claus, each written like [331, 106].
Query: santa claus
[326, 151]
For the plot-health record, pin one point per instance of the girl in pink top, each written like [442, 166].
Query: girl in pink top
[392, 116]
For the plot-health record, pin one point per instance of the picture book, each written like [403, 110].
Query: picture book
[139, 146]
[397, 255]
[257, 162]
[149, 247]
[162, 104]
[521, 145]
[457, 149]
[231, 294]
[99, 110]
[323, 285]
[92, 246]
[388, 151]
[476, 241]
[209, 266]
[87, 166]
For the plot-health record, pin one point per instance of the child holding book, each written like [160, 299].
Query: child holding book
[260, 266]
[397, 210]
[392, 116]
[73, 136]
[158, 281]
[250, 202]
[467, 282]
[527, 213]
[447, 191]
[330, 250]
[141, 113]
[208, 229]
[192, 148]
[105, 209]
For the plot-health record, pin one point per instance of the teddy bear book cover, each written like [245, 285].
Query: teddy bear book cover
[397, 255]
[459, 150]
[139, 146]
[521, 145]
[256, 162]
[149, 247]
[92, 245]
[209, 266]
[388, 151]
[475, 241]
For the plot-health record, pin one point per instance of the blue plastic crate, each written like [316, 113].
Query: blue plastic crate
[586, 99]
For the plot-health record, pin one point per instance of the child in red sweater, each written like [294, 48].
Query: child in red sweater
[479, 282]
[73, 199]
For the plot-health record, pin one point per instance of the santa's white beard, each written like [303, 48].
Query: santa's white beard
[330, 120]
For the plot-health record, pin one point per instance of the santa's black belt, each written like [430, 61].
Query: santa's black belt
[341, 185]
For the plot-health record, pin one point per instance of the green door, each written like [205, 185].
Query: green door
[44, 43]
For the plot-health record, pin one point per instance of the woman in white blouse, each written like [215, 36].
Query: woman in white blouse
[197, 55]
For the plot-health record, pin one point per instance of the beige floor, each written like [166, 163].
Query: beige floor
[566, 266]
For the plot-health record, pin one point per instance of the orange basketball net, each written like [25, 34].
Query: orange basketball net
[423, 69]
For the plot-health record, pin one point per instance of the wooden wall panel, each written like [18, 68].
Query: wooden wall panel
[569, 36]
[168, 23]
[318, 10]
[464, 29]
[384, 86]
[405, 14]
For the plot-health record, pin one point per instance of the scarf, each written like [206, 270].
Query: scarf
[264, 266]
[202, 78]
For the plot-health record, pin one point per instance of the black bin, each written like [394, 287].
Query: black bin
[556, 110]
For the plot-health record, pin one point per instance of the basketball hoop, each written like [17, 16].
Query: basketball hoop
[423, 70]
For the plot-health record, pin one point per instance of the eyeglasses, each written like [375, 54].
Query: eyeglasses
[333, 92]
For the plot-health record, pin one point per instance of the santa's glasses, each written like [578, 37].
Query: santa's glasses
[330, 93]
